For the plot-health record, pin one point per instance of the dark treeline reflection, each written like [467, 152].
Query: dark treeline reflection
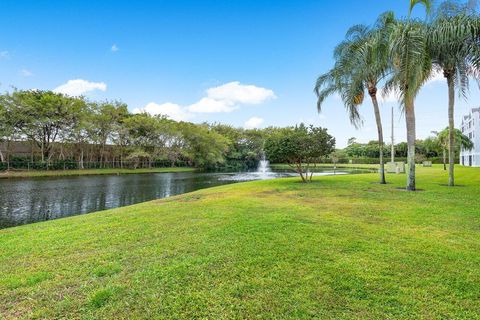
[32, 200]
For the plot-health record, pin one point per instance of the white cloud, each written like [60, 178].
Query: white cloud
[224, 98]
[114, 48]
[171, 110]
[79, 87]
[4, 55]
[26, 73]
[436, 77]
[209, 105]
[239, 93]
[253, 123]
[391, 96]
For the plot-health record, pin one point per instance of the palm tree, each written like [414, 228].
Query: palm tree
[412, 68]
[443, 140]
[454, 51]
[362, 62]
[426, 3]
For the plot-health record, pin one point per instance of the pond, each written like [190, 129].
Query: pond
[24, 201]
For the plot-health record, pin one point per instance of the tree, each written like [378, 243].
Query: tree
[351, 140]
[334, 158]
[78, 133]
[412, 67]
[362, 62]
[105, 120]
[4, 130]
[205, 147]
[453, 45]
[42, 115]
[443, 140]
[426, 3]
[299, 146]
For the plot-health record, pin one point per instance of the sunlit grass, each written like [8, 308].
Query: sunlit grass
[342, 247]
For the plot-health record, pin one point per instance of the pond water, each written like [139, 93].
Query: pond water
[24, 201]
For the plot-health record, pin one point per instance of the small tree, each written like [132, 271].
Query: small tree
[334, 158]
[300, 147]
[461, 142]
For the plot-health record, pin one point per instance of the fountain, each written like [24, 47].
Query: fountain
[263, 168]
[263, 172]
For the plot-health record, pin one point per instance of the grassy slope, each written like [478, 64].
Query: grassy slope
[53, 173]
[339, 248]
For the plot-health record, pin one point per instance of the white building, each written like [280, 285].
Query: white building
[471, 128]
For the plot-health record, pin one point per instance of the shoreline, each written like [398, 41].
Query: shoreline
[88, 172]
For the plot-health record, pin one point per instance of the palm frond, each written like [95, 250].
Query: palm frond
[426, 3]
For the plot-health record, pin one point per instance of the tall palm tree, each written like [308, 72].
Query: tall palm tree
[453, 44]
[362, 62]
[412, 68]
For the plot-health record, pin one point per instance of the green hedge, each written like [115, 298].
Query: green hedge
[362, 160]
[20, 163]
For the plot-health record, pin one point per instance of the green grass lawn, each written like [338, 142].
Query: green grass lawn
[330, 165]
[341, 247]
[54, 173]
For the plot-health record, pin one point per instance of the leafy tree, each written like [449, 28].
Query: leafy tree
[42, 115]
[430, 147]
[244, 146]
[4, 130]
[401, 149]
[143, 134]
[299, 146]
[334, 157]
[351, 140]
[77, 134]
[205, 147]
[105, 120]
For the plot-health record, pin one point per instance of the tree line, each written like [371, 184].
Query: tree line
[57, 128]
[64, 132]
[433, 148]
[398, 56]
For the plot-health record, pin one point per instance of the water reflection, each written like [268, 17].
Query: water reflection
[25, 201]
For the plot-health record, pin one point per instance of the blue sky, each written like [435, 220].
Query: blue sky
[259, 59]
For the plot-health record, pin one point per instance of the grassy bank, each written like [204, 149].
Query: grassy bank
[329, 165]
[55, 173]
[341, 247]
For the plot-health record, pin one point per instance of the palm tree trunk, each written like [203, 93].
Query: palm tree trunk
[444, 159]
[380, 136]
[451, 134]
[81, 159]
[410, 120]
